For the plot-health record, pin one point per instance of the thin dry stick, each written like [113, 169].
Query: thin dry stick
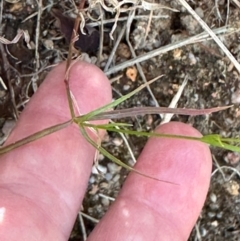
[212, 34]
[234, 170]
[82, 226]
[198, 231]
[107, 197]
[148, 25]
[36, 13]
[97, 23]
[94, 220]
[3, 84]
[115, 48]
[218, 169]
[173, 104]
[126, 143]
[116, 78]
[37, 34]
[217, 10]
[237, 3]
[115, 24]
[191, 40]
[228, 9]
[100, 51]
[129, 22]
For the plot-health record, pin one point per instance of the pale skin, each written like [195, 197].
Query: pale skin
[42, 184]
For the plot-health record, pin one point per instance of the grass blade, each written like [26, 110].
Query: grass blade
[34, 137]
[130, 112]
[98, 111]
[116, 160]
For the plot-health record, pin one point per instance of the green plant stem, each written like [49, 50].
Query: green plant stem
[213, 139]
[116, 160]
[35, 136]
[141, 133]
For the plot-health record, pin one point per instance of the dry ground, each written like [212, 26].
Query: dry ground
[212, 81]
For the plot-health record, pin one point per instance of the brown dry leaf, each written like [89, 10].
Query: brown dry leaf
[131, 73]
[88, 42]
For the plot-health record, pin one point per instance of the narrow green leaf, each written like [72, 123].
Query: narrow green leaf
[212, 139]
[89, 116]
[116, 160]
[35, 136]
[217, 141]
[135, 111]
[231, 140]
[231, 147]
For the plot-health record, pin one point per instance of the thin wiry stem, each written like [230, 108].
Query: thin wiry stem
[173, 104]
[191, 40]
[106, 21]
[127, 144]
[110, 58]
[74, 37]
[34, 79]
[139, 68]
[82, 225]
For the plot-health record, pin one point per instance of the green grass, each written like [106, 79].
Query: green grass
[106, 112]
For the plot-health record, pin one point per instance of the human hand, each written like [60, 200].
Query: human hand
[42, 184]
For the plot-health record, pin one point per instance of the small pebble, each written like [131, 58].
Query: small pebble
[116, 178]
[105, 202]
[220, 215]
[113, 168]
[117, 141]
[199, 12]
[126, 87]
[232, 187]
[192, 59]
[214, 223]
[204, 232]
[213, 197]
[211, 214]
[214, 206]
[102, 169]
[236, 97]
[108, 176]
[92, 179]
[48, 43]
[99, 169]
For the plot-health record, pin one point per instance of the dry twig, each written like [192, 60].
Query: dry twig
[191, 40]
[129, 22]
[212, 34]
